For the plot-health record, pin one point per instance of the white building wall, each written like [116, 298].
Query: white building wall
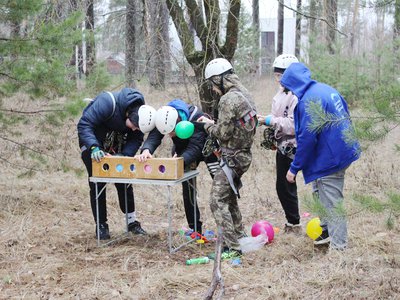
[289, 32]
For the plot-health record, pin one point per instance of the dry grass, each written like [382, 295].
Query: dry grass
[48, 249]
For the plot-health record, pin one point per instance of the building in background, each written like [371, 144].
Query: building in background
[115, 64]
[269, 40]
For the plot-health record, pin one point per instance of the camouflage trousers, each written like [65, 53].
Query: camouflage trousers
[224, 205]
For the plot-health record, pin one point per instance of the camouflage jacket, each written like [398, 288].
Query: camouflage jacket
[231, 129]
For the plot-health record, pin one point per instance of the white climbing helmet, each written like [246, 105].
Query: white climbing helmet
[217, 67]
[147, 118]
[283, 61]
[166, 118]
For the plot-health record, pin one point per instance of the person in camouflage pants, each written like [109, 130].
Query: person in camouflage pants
[234, 129]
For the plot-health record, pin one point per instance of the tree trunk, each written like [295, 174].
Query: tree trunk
[281, 23]
[90, 43]
[77, 56]
[396, 31]
[130, 63]
[298, 29]
[207, 30]
[156, 27]
[311, 25]
[256, 14]
[354, 25]
[331, 17]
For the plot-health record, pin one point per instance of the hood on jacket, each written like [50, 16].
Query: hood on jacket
[129, 97]
[297, 79]
[180, 106]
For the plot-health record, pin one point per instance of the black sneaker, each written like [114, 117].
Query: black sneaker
[135, 228]
[295, 228]
[104, 232]
[324, 238]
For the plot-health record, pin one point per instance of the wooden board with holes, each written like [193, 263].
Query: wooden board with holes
[127, 167]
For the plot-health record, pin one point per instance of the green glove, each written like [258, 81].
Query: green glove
[97, 154]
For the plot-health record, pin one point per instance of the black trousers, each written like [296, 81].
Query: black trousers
[188, 191]
[287, 192]
[102, 197]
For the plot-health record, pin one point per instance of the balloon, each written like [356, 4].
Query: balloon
[313, 228]
[184, 129]
[264, 227]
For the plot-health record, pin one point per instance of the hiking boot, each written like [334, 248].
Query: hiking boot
[324, 238]
[295, 228]
[135, 228]
[104, 232]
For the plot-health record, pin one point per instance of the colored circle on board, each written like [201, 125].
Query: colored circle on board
[132, 168]
[119, 168]
[161, 168]
[147, 168]
[106, 167]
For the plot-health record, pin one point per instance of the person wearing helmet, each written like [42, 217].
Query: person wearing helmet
[110, 126]
[322, 155]
[234, 128]
[190, 149]
[281, 121]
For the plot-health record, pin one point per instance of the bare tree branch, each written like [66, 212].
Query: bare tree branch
[31, 112]
[231, 34]
[185, 35]
[217, 279]
[312, 17]
[26, 147]
[19, 166]
[196, 17]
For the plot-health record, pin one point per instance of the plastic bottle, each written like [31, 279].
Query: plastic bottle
[197, 261]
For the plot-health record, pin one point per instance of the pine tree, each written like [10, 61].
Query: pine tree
[36, 45]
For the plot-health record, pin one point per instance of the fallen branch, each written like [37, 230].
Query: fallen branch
[217, 279]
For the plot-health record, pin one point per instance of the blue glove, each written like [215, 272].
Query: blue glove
[97, 154]
[268, 120]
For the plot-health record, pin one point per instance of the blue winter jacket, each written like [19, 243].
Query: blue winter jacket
[325, 152]
[100, 117]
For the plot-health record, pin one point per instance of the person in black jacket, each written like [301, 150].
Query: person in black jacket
[110, 125]
[190, 149]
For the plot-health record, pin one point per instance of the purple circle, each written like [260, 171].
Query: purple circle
[161, 168]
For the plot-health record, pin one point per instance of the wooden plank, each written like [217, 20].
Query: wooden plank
[128, 167]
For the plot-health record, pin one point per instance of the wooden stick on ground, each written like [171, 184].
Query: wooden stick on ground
[217, 279]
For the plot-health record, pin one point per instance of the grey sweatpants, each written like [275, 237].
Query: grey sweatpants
[330, 193]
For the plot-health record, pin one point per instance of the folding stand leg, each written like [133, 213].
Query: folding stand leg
[126, 206]
[97, 215]
[169, 220]
[97, 211]
[194, 203]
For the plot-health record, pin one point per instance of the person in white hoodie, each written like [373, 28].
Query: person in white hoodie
[282, 123]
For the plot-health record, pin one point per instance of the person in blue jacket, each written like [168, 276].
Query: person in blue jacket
[322, 155]
[109, 125]
[190, 149]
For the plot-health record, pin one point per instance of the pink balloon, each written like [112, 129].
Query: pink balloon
[263, 227]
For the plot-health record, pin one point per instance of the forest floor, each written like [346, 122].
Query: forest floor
[48, 248]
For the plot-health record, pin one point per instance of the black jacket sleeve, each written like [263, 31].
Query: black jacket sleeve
[153, 141]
